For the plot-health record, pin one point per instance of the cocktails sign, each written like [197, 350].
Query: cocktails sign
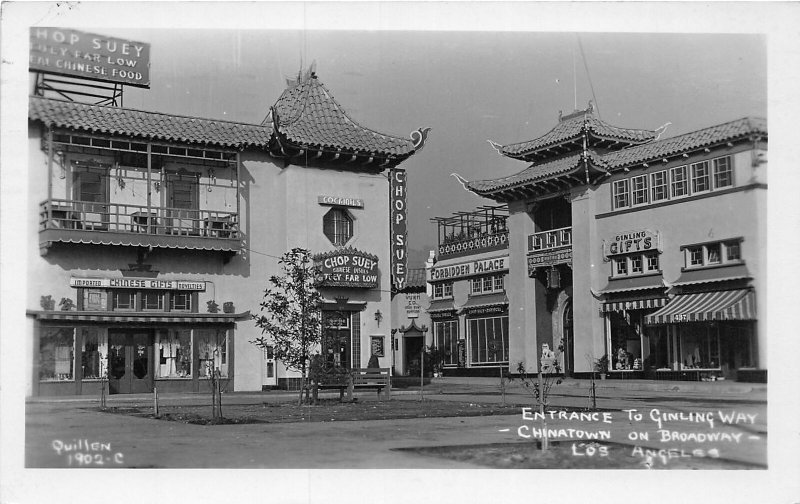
[89, 56]
[347, 267]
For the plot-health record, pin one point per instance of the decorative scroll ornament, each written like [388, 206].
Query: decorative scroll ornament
[419, 137]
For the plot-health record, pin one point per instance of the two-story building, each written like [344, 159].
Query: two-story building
[153, 237]
[649, 251]
[469, 308]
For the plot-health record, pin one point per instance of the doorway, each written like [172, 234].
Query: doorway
[412, 350]
[336, 341]
[130, 363]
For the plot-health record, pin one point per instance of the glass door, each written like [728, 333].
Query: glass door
[130, 362]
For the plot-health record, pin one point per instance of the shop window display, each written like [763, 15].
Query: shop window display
[699, 347]
[212, 352]
[57, 354]
[94, 352]
[174, 353]
[446, 334]
[488, 340]
[626, 341]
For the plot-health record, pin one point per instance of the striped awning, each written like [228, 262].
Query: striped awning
[736, 304]
[128, 318]
[633, 304]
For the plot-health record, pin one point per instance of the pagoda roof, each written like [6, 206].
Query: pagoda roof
[532, 178]
[110, 120]
[568, 135]
[307, 119]
[570, 168]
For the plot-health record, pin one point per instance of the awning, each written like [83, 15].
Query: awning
[633, 284]
[633, 304]
[150, 318]
[441, 306]
[736, 304]
[484, 304]
[712, 275]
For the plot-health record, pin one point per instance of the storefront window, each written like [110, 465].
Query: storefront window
[626, 340]
[659, 349]
[57, 353]
[488, 340]
[446, 334]
[181, 301]
[212, 352]
[152, 300]
[94, 352]
[124, 300]
[699, 346]
[94, 300]
[174, 354]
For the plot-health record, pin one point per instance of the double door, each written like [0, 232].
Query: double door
[130, 361]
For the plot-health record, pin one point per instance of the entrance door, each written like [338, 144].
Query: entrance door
[270, 374]
[412, 350]
[130, 362]
[183, 202]
[336, 344]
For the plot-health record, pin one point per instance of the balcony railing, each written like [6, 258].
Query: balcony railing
[552, 239]
[97, 217]
[478, 242]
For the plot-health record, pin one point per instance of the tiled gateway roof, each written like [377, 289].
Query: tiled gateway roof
[415, 280]
[652, 151]
[307, 114]
[147, 125]
[570, 128]
[535, 173]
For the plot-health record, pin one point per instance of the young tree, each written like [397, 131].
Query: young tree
[290, 318]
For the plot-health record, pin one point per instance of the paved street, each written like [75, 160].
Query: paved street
[57, 429]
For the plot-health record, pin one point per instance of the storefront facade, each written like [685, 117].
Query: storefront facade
[411, 324]
[467, 285]
[649, 252]
[153, 238]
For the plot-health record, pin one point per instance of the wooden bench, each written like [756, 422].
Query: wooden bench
[362, 378]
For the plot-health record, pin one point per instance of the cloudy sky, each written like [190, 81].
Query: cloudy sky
[468, 86]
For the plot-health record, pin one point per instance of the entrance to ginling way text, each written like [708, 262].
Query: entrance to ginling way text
[130, 361]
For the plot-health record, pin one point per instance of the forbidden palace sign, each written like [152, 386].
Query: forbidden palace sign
[347, 267]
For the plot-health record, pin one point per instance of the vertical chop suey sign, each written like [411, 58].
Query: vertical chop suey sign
[397, 214]
[79, 54]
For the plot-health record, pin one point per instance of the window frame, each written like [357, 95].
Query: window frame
[639, 192]
[334, 235]
[728, 172]
[663, 186]
[684, 181]
[725, 246]
[695, 178]
[620, 199]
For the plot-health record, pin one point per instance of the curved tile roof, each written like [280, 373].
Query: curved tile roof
[572, 127]
[686, 142]
[307, 114]
[655, 150]
[535, 173]
[147, 125]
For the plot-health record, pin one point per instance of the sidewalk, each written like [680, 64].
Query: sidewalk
[468, 389]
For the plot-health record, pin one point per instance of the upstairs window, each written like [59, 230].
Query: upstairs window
[487, 284]
[713, 254]
[680, 184]
[639, 190]
[338, 226]
[621, 196]
[701, 180]
[635, 264]
[658, 184]
[442, 290]
[723, 173]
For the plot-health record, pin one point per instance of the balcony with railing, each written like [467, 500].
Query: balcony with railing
[467, 233]
[70, 221]
[552, 239]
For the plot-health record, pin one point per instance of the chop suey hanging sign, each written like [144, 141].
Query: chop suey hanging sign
[347, 267]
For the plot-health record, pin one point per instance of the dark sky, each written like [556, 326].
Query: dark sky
[467, 86]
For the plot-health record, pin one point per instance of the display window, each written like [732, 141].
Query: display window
[94, 352]
[57, 354]
[446, 337]
[174, 348]
[488, 339]
[625, 340]
[699, 346]
[212, 346]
